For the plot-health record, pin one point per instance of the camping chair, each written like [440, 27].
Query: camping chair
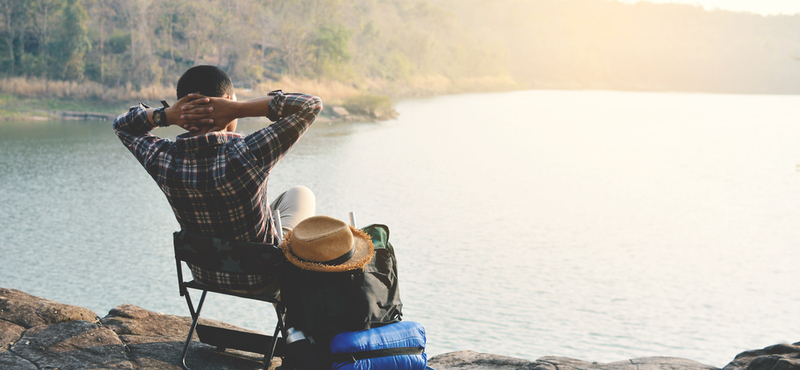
[233, 257]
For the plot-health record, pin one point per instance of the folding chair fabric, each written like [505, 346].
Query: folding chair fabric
[234, 257]
[228, 256]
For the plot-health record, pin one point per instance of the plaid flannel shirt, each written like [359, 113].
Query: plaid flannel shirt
[217, 183]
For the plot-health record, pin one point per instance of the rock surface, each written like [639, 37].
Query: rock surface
[777, 357]
[39, 334]
[468, 360]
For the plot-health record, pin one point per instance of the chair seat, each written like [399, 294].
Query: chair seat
[267, 295]
[245, 341]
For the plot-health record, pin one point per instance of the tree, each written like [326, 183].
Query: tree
[103, 12]
[41, 12]
[291, 36]
[73, 41]
[13, 12]
[331, 48]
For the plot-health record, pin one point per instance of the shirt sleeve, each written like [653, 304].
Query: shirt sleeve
[133, 130]
[293, 115]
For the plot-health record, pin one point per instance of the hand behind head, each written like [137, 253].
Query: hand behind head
[201, 114]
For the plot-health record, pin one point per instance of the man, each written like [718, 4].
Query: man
[214, 178]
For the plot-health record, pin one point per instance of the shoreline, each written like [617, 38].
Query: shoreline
[330, 114]
[15, 107]
[333, 115]
[31, 99]
[37, 333]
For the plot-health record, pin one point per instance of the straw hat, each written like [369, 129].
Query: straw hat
[322, 243]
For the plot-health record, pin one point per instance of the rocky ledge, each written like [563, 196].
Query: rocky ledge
[37, 333]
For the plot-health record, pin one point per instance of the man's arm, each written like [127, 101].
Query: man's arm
[186, 112]
[256, 107]
[216, 112]
[293, 115]
[133, 128]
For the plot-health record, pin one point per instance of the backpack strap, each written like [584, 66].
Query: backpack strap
[384, 352]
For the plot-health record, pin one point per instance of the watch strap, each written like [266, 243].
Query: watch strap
[162, 120]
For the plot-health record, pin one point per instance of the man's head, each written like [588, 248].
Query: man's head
[209, 81]
[206, 80]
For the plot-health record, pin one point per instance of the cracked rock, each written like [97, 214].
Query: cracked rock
[25, 310]
[36, 334]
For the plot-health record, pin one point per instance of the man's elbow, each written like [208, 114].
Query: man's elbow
[313, 106]
[316, 103]
[119, 121]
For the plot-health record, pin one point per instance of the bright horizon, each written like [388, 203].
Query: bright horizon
[764, 7]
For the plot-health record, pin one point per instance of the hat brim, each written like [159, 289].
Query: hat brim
[364, 251]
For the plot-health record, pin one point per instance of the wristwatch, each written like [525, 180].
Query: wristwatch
[160, 117]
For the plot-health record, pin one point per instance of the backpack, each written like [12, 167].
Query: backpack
[324, 304]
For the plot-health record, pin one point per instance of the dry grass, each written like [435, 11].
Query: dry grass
[332, 92]
[38, 88]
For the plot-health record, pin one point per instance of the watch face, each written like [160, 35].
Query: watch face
[159, 117]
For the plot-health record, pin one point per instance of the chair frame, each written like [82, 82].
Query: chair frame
[237, 339]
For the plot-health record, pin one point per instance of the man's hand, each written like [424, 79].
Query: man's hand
[209, 112]
[189, 112]
[199, 114]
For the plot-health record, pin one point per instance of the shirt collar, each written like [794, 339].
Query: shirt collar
[187, 142]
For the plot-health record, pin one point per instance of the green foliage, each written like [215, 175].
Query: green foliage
[330, 48]
[72, 43]
[118, 42]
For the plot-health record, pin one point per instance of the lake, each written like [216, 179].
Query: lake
[596, 225]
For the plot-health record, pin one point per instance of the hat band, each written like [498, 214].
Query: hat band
[336, 261]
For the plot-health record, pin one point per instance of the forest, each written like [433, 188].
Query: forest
[94, 49]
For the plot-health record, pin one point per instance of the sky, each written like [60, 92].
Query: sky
[765, 7]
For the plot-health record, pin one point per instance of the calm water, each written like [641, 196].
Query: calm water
[596, 225]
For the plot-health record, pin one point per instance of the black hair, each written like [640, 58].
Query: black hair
[206, 80]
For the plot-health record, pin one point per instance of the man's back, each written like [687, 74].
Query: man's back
[217, 187]
[217, 183]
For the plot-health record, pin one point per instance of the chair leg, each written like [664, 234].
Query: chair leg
[279, 329]
[195, 319]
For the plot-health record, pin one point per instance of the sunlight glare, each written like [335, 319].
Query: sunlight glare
[764, 7]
